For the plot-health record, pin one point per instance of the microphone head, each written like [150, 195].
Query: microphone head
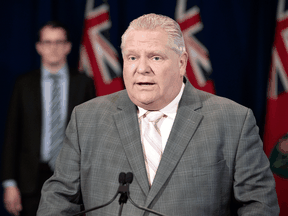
[129, 177]
[122, 178]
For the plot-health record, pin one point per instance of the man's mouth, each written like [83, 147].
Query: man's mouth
[145, 83]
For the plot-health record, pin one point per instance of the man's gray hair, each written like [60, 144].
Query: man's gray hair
[153, 21]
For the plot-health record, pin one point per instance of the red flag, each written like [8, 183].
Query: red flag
[276, 127]
[97, 55]
[190, 23]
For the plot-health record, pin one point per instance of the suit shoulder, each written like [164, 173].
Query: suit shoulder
[28, 78]
[78, 74]
[214, 102]
[224, 111]
[107, 102]
[28, 75]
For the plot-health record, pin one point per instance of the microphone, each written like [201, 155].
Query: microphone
[123, 189]
[129, 178]
[122, 181]
[122, 178]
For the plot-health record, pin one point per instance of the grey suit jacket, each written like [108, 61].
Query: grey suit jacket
[213, 163]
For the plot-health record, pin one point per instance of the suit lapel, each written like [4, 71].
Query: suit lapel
[185, 125]
[72, 92]
[38, 91]
[127, 124]
[72, 87]
[34, 99]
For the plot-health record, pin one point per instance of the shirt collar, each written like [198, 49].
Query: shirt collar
[170, 109]
[63, 72]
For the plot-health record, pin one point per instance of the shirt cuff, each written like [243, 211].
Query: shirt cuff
[9, 183]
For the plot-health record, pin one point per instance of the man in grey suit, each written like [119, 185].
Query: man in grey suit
[211, 157]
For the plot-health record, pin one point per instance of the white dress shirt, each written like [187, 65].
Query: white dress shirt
[166, 123]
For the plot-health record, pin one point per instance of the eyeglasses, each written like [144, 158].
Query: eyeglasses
[57, 42]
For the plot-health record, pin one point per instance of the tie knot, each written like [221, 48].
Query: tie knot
[154, 116]
[54, 77]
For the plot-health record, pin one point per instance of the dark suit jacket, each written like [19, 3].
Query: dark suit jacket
[21, 149]
[213, 163]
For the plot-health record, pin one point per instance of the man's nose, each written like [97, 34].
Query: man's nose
[143, 66]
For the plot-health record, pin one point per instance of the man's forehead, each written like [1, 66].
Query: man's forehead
[142, 34]
[146, 39]
[147, 44]
[48, 30]
[150, 46]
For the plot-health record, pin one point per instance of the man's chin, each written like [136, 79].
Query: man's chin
[149, 104]
[54, 64]
[142, 102]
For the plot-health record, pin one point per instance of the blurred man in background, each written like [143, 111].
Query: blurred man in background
[40, 108]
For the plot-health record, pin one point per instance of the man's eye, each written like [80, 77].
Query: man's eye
[132, 58]
[156, 58]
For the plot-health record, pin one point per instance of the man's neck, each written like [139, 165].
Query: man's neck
[53, 69]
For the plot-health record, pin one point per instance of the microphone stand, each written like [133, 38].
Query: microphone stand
[143, 208]
[126, 194]
[121, 189]
[124, 190]
[125, 181]
[97, 207]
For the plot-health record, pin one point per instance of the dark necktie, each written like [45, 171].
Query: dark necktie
[56, 126]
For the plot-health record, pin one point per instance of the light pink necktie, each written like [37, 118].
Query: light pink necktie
[153, 140]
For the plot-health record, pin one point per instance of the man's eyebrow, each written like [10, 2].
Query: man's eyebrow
[157, 52]
[161, 53]
[129, 51]
[148, 52]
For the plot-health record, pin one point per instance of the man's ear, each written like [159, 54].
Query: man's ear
[38, 48]
[183, 63]
[68, 47]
